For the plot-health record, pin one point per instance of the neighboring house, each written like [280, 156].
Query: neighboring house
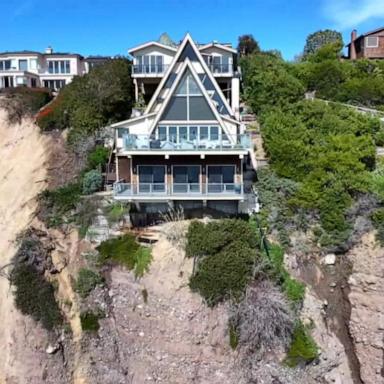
[188, 147]
[369, 45]
[51, 69]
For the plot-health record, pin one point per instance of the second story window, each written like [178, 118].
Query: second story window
[5, 65]
[23, 65]
[372, 41]
[150, 64]
[59, 66]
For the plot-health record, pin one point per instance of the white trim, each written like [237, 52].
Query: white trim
[145, 45]
[114, 125]
[163, 81]
[217, 45]
[371, 37]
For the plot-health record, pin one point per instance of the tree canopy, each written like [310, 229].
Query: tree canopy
[247, 45]
[320, 38]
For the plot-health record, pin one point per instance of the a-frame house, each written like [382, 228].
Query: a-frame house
[188, 146]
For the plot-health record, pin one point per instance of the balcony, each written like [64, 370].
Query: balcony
[221, 143]
[181, 191]
[221, 69]
[149, 70]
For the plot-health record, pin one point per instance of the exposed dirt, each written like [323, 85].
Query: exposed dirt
[23, 175]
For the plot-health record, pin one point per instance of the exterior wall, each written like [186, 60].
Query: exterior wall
[378, 52]
[155, 50]
[124, 165]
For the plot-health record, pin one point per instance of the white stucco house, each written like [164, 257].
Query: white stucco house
[187, 146]
[50, 69]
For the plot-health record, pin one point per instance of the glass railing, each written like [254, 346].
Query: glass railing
[149, 69]
[121, 189]
[220, 68]
[133, 142]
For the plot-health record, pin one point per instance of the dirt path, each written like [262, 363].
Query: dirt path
[22, 176]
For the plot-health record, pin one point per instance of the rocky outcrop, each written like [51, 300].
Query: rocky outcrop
[367, 308]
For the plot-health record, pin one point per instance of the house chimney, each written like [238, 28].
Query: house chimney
[49, 50]
[352, 47]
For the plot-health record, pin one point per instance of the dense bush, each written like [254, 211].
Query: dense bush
[98, 157]
[264, 319]
[92, 181]
[378, 222]
[126, 251]
[208, 239]
[86, 281]
[224, 274]
[34, 296]
[92, 101]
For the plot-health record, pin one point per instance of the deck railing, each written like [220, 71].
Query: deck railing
[149, 68]
[122, 190]
[152, 143]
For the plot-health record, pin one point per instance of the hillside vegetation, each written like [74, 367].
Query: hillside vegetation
[322, 155]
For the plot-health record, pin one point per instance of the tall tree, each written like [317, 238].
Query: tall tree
[247, 45]
[320, 38]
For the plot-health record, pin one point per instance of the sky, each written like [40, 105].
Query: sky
[111, 27]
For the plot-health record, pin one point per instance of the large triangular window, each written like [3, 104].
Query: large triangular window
[188, 102]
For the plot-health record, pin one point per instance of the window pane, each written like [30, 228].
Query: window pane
[199, 109]
[214, 174]
[176, 109]
[192, 133]
[182, 87]
[158, 174]
[145, 174]
[203, 133]
[50, 67]
[214, 133]
[162, 133]
[183, 133]
[193, 174]
[67, 66]
[228, 173]
[23, 65]
[193, 87]
[173, 134]
[180, 174]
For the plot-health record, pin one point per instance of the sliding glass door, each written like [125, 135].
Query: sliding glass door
[151, 178]
[186, 179]
[221, 178]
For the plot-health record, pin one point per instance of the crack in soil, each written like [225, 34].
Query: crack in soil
[338, 309]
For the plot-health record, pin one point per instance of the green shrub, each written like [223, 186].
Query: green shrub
[208, 239]
[116, 212]
[378, 222]
[98, 157]
[126, 251]
[303, 349]
[86, 212]
[274, 268]
[92, 182]
[55, 206]
[224, 274]
[34, 296]
[90, 321]
[86, 281]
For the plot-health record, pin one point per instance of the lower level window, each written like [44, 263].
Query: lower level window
[54, 84]
[151, 178]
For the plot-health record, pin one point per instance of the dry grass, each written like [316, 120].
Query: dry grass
[175, 227]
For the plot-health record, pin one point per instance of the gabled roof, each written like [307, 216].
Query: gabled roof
[217, 45]
[150, 43]
[133, 119]
[188, 40]
[187, 65]
[367, 34]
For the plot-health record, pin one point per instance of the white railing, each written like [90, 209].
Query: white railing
[133, 142]
[121, 189]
